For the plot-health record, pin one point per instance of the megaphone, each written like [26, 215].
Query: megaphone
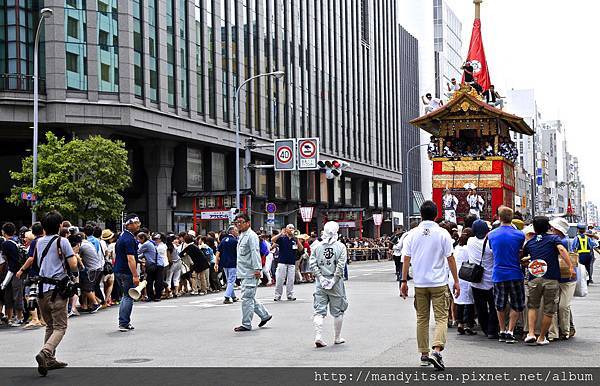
[136, 292]
[296, 233]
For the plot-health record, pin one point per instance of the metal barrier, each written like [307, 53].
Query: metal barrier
[360, 254]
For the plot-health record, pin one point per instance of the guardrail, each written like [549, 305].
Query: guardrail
[20, 83]
[360, 254]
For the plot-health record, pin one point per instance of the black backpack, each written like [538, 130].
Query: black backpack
[22, 253]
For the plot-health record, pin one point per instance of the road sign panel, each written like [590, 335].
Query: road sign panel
[308, 153]
[271, 207]
[285, 154]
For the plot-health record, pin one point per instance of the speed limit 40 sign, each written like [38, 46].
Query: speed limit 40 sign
[285, 154]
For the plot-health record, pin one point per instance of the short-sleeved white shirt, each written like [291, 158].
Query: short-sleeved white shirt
[428, 246]
[53, 266]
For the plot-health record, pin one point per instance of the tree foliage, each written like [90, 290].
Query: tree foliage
[82, 178]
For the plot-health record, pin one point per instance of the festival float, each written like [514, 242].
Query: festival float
[471, 148]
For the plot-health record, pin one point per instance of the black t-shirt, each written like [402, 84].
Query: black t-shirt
[468, 73]
[11, 255]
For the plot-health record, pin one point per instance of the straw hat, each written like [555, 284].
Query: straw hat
[304, 236]
[107, 234]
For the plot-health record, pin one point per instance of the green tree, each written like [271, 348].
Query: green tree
[82, 178]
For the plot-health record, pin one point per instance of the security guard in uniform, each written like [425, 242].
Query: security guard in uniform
[584, 246]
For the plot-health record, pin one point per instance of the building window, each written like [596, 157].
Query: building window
[323, 186]
[337, 191]
[280, 185]
[261, 180]
[212, 107]
[108, 45]
[153, 50]
[364, 21]
[183, 49]
[371, 193]
[311, 187]
[224, 59]
[76, 45]
[348, 191]
[72, 61]
[199, 57]
[218, 171]
[295, 185]
[138, 49]
[388, 195]
[72, 27]
[194, 169]
[170, 16]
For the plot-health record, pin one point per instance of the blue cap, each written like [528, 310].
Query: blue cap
[480, 229]
[581, 226]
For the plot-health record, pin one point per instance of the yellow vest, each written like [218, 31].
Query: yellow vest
[583, 244]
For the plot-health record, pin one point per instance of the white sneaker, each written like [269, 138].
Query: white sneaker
[543, 343]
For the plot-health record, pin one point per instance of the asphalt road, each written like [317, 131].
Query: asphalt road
[379, 328]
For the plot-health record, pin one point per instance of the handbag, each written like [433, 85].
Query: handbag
[108, 268]
[472, 272]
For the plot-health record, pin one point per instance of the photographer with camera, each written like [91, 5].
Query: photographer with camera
[31, 270]
[57, 283]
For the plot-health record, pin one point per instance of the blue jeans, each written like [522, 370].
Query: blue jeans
[125, 281]
[230, 273]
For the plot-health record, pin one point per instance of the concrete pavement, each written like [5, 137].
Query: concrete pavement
[379, 328]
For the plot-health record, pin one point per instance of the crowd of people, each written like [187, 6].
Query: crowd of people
[511, 280]
[56, 270]
[473, 147]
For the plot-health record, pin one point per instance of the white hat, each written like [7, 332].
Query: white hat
[330, 232]
[528, 229]
[561, 225]
[192, 233]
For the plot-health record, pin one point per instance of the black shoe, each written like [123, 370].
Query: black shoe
[509, 338]
[241, 329]
[502, 337]
[291, 299]
[265, 321]
[436, 361]
[425, 361]
[42, 361]
[227, 301]
[95, 308]
[469, 331]
[591, 281]
[126, 328]
[460, 330]
[234, 299]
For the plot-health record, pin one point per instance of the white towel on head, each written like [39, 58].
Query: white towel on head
[330, 232]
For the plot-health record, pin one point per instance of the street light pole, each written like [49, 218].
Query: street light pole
[408, 202]
[44, 13]
[236, 106]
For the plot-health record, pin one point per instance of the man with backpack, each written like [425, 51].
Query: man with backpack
[57, 265]
[14, 256]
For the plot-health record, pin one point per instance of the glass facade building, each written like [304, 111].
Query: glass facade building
[161, 75]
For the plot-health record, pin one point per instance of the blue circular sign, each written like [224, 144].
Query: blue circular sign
[271, 207]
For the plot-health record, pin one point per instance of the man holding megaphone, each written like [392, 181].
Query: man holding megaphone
[125, 269]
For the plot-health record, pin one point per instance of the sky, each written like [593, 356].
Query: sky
[551, 47]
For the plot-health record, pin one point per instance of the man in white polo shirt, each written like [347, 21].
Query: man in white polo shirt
[428, 248]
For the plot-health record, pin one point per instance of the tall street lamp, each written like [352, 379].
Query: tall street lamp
[408, 201]
[236, 106]
[44, 13]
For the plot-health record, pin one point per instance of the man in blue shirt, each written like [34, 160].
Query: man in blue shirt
[289, 247]
[125, 269]
[584, 245]
[544, 249]
[506, 243]
[89, 234]
[227, 259]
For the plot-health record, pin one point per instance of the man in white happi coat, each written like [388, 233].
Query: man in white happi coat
[450, 203]
[476, 203]
[327, 262]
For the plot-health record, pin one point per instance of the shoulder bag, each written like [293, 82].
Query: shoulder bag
[473, 272]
